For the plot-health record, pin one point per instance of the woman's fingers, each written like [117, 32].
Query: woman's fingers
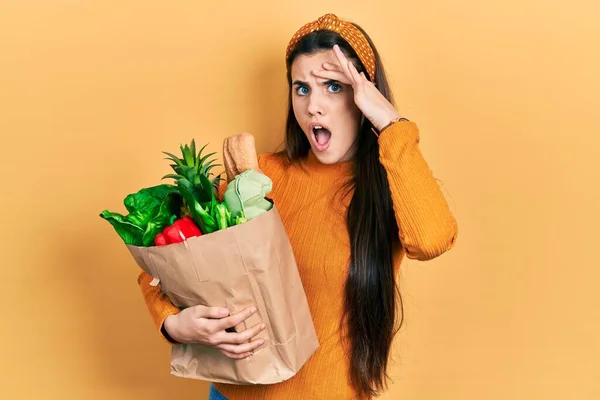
[332, 67]
[340, 56]
[241, 350]
[236, 356]
[224, 337]
[210, 312]
[344, 64]
[235, 319]
[334, 75]
[354, 72]
[238, 345]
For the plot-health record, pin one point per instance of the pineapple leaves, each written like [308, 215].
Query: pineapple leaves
[196, 169]
[198, 161]
[173, 158]
[191, 164]
[202, 216]
[196, 183]
[203, 161]
[188, 157]
[193, 148]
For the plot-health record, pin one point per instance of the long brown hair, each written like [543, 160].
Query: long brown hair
[372, 300]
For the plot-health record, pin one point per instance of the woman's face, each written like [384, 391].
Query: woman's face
[324, 109]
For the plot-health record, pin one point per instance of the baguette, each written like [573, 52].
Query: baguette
[239, 155]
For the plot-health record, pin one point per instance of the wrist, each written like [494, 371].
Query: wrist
[381, 127]
[168, 329]
[391, 116]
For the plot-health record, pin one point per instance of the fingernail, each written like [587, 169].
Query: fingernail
[253, 310]
[261, 341]
[262, 326]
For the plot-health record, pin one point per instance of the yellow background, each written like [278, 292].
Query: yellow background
[506, 97]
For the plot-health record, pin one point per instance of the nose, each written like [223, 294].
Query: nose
[315, 104]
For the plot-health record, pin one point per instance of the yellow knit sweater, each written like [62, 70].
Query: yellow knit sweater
[313, 212]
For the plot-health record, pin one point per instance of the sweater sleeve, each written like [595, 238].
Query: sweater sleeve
[159, 305]
[426, 225]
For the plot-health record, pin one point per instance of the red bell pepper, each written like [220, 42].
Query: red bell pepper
[177, 231]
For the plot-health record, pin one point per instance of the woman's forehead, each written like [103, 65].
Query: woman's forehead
[305, 63]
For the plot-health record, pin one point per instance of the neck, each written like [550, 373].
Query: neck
[340, 168]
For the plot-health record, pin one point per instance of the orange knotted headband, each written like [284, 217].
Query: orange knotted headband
[346, 30]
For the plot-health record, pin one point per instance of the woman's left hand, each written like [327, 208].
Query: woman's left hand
[374, 106]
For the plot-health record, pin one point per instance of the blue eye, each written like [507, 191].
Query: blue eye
[302, 90]
[335, 87]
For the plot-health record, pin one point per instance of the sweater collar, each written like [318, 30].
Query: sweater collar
[338, 169]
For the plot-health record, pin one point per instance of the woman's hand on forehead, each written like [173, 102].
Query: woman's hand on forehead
[336, 71]
[374, 106]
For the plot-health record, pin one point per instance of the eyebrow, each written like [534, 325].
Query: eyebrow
[327, 82]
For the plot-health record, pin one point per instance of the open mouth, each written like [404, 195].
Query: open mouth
[322, 137]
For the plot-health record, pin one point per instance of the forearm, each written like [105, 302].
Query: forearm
[158, 304]
[426, 225]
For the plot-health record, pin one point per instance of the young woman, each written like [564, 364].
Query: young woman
[355, 196]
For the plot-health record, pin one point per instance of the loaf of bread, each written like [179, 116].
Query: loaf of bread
[239, 155]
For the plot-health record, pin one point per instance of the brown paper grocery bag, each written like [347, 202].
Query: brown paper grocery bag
[243, 265]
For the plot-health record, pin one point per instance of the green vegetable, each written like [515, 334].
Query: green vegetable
[221, 216]
[245, 195]
[194, 180]
[240, 219]
[202, 216]
[193, 165]
[150, 210]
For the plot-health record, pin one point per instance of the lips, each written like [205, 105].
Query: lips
[321, 136]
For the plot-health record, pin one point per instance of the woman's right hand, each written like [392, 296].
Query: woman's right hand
[207, 326]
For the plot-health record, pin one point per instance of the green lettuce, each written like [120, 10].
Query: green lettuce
[150, 211]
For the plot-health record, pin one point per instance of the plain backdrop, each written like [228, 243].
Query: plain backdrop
[505, 95]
